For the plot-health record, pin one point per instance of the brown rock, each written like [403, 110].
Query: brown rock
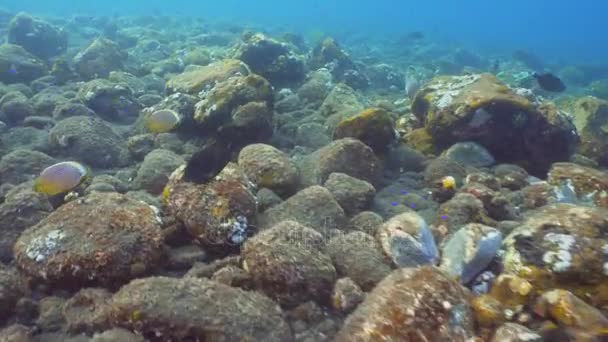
[190, 309]
[412, 304]
[358, 256]
[103, 238]
[287, 263]
[192, 82]
[587, 182]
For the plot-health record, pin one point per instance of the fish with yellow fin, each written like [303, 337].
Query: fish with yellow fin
[162, 121]
[448, 183]
[60, 178]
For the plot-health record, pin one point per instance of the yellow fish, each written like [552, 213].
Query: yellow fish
[448, 183]
[60, 178]
[162, 121]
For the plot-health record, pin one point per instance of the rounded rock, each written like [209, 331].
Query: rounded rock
[314, 207]
[268, 167]
[103, 238]
[411, 304]
[352, 194]
[154, 172]
[90, 140]
[191, 308]
[358, 256]
[349, 156]
[287, 263]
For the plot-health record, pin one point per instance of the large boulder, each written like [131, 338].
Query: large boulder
[314, 207]
[591, 121]
[103, 238]
[89, 139]
[587, 184]
[39, 37]
[113, 102]
[412, 304]
[20, 210]
[287, 262]
[239, 109]
[195, 80]
[197, 309]
[348, 155]
[216, 213]
[19, 66]
[272, 59]
[481, 109]
[99, 59]
[561, 246]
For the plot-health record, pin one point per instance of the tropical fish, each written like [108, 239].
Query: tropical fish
[162, 121]
[448, 183]
[412, 83]
[549, 82]
[60, 178]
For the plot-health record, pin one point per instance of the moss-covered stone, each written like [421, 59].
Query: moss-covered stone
[412, 304]
[373, 126]
[17, 65]
[479, 108]
[562, 246]
[37, 36]
[272, 59]
[591, 120]
[194, 81]
[587, 182]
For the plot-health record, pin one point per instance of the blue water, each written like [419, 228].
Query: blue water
[558, 30]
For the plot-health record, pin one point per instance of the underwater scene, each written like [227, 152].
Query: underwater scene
[303, 171]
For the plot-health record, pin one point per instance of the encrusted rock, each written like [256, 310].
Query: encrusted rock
[89, 139]
[22, 165]
[561, 245]
[28, 66]
[287, 262]
[586, 182]
[87, 311]
[354, 195]
[470, 154]
[512, 332]
[590, 118]
[239, 109]
[268, 167]
[154, 172]
[358, 256]
[99, 59]
[373, 126]
[346, 295]
[190, 308]
[314, 206]
[349, 156]
[11, 289]
[461, 209]
[37, 36]
[216, 213]
[569, 311]
[103, 238]
[271, 59]
[412, 304]
[112, 101]
[479, 108]
[203, 78]
[20, 210]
